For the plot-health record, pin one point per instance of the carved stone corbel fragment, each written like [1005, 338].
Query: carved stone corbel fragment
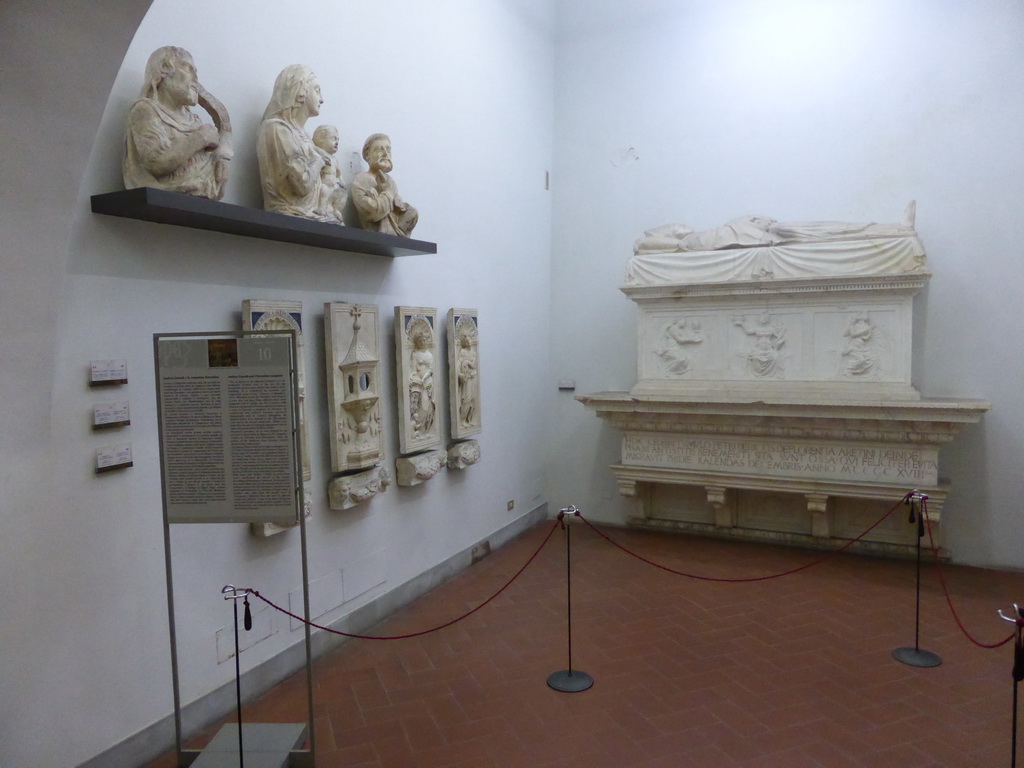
[347, 491]
[413, 470]
[463, 454]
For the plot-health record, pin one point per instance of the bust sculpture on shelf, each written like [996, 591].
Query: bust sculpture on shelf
[375, 193]
[333, 194]
[291, 164]
[168, 146]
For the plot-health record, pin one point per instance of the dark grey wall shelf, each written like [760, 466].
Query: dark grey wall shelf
[163, 207]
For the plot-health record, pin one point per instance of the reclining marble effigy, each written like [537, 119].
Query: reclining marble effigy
[759, 247]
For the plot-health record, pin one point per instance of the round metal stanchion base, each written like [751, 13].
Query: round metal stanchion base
[570, 681]
[917, 657]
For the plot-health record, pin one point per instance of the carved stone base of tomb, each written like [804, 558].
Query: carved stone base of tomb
[809, 474]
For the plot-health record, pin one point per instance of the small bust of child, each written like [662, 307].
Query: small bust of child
[333, 194]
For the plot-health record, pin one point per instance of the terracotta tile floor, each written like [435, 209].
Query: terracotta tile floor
[794, 672]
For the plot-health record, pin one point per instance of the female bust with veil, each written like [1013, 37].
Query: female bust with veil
[290, 163]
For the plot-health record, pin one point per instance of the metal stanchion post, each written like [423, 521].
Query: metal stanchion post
[917, 656]
[1018, 674]
[233, 594]
[569, 680]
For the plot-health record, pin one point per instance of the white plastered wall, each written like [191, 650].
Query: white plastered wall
[693, 112]
[464, 89]
[666, 111]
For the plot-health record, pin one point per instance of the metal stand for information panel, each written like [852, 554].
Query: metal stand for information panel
[179, 357]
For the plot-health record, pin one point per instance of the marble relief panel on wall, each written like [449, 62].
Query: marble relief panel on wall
[353, 385]
[464, 372]
[416, 356]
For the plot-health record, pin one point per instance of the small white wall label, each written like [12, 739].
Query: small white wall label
[108, 373]
[110, 415]
[112, 457]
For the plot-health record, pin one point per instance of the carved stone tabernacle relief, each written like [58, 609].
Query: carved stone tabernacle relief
[353, 385]
[291, 165]
[347, 491]
[413, 470]
[464, 372]
[167, 146]
[416, 351]
[463, 454]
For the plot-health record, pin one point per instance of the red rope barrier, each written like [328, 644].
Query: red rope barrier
[559, 522]
[945, 589]
[425, 631]
[845, 546]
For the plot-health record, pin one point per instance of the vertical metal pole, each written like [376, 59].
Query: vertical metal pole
[1013, 729]
[238, 684]
[1018, 672]
[568, 589]
[175, 685]
[916, 657]
[301, 502]
[309, 642]
[917, 607]
[569, 680]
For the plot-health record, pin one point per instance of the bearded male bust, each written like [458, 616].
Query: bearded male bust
[168, 146]
[375, 193]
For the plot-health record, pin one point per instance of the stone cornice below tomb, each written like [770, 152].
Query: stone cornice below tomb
[909, 283]
[925, 421]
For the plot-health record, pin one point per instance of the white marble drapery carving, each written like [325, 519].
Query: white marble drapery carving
[760, 248]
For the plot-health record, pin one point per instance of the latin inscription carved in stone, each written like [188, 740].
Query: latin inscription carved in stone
[781, 458]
